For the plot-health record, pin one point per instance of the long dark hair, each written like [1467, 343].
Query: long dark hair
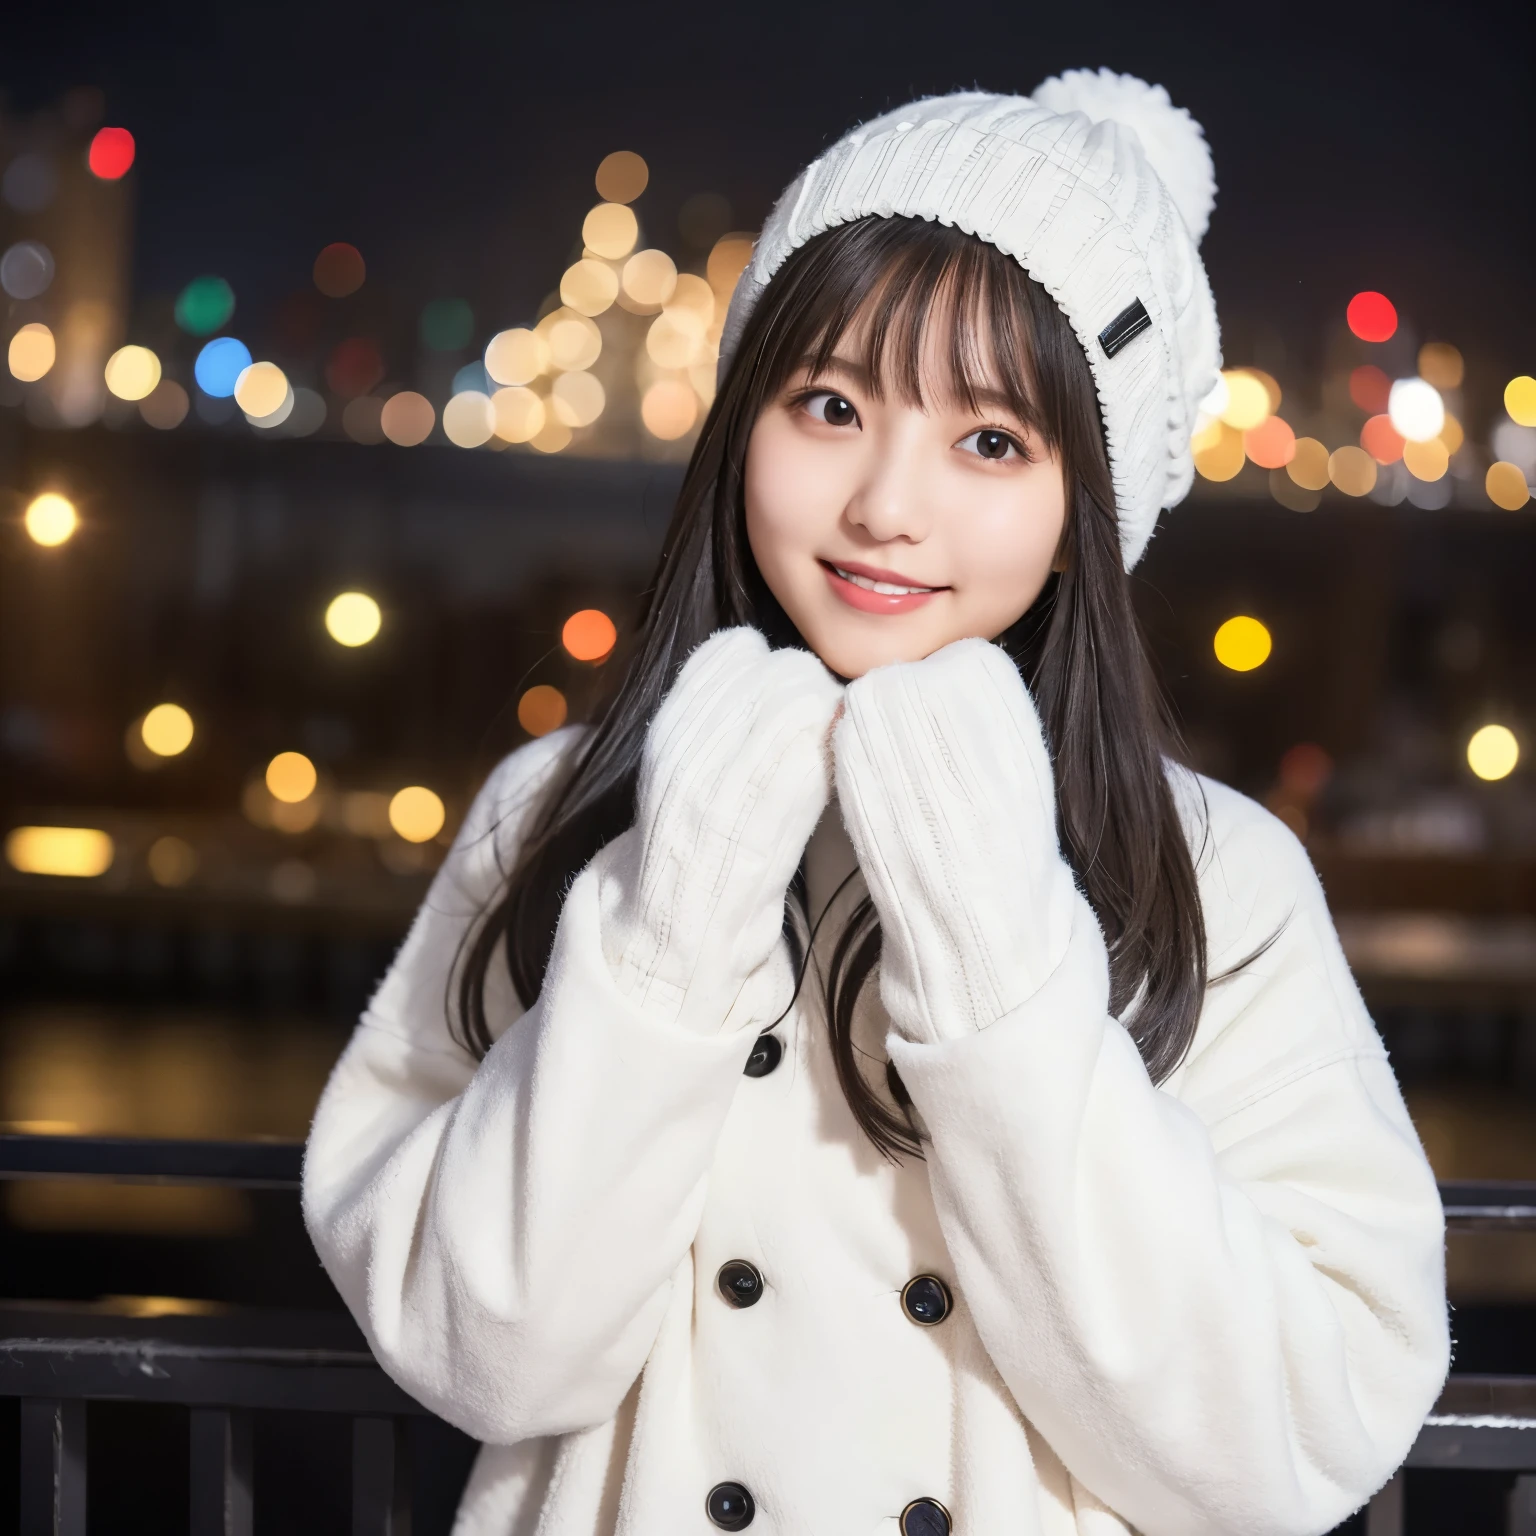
[1079, 648]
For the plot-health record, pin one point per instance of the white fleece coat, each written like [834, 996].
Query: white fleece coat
[1212, 1305]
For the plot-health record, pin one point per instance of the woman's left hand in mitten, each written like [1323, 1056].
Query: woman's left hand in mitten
[947, 792]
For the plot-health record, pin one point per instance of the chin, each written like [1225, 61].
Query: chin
[851, 656]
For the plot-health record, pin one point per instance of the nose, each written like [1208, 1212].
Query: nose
[889, 503]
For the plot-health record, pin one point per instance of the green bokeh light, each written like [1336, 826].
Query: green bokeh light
[205, 305]
[447, 325]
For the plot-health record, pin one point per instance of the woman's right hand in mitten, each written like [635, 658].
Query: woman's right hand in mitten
[734, 777]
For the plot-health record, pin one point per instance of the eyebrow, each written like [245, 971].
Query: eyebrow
[857, 373]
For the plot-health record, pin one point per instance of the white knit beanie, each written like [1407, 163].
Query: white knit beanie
[1100, 188]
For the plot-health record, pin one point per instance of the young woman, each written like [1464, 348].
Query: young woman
[862, 1085]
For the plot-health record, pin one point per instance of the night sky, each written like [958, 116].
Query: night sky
[1356, 146]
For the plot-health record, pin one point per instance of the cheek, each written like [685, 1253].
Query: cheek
[787, 500]
[1010, 544]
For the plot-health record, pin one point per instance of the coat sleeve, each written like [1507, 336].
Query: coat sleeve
[1221, 1300]
[506, 1232]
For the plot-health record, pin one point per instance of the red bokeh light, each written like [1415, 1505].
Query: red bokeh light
[111, 153]
[1271, 445]
[340, 270]
[355, 367]
[1371, 316]
[1381, 440]
[1305, 769]
[1370, 389]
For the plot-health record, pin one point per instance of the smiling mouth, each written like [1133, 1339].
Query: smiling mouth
[881, 588]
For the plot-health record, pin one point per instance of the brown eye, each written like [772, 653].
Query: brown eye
[832, 409]
[989, 443]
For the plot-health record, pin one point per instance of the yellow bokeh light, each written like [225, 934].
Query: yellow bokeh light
[166, 730]
[1506, 487]
[552, 437]
[50, 519]
[1248, 400]
[577, 399]
[1353, 470]
[517, 356]
[650, 277]
[622, 176]
[261, 390]
[1520, 400]
[1223, 457]
[589, 287]
[1309, 467]
[1452, 435]
[76, 852]
[32, 352]
[574, 341]
[407, 418]
[291, 777]
[727, 261]
[132, 372]
[1242, 643]
[519, 414]
[1426, 461]
[352, 618]
[172, 861]
[542, 709]
[669, 409]
[417, 814]
[675, 338]
[469, 419]
[610, 231]
[693, 294]
[1441, 364]
[1493, 752]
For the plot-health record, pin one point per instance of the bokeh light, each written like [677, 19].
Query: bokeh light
[622, 176]
[1382, 440]
[416, 814]
[111, 153]
[219, 365]
[1293, 497]
[355, 367]
[1370, 389]
[1218, 451]
[610, 231]
[1442, 364]
[407, 418]
[50, 519]
[166, 730]
[339, 270]
[1426, 461]
[574, 341]
[32, 352]
[352, 618]
[205, 306]
[1309, 464]
[1416, 410]
[261, 389]
[1352, 470]
[649, 278]
[519, 414]
[132, 372]
[1371, 316]
[30, 182]
[166, 406]
[727, 261]
[1452, 435]
[291, 778]
[1242, 643]
[1505, 485]
[669, 409]
[589, 634]
[675, 338]
[171, 860]
[69, 852]
[26, 269]
[1493, 752]
[274, 418]
[447, 325]
[517, 356]
[589, 287]
[577, 399]
[1248, 401]
[542, 709]
[469, 419]
[1520, 400]
[1271, 444]
[553, 437]
[361, 419]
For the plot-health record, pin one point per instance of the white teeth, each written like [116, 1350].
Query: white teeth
[884, 588]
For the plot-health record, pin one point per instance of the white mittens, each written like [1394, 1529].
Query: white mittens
[733, 779]
[947, 793]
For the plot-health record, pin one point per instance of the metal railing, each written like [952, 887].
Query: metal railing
[224, 1369]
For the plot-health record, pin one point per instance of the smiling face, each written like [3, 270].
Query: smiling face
[890, 521]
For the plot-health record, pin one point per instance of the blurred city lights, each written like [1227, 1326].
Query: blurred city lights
[1309, 464]
[111, 153]
[172, 861]
[573, 340]
[577, 399]
[1247, 400]
[50, 519]
[219, 366]
[727, 261]
[669, 409]
[1242, 643]
[622, 176]
[1382, 440]
[1371, 316]
[1441, 364]
[166, 406]
[407, 418]
[610, 231]
[447, 325]
[417, 814]
[675, 338]
[1493, 752]
[280, 415]
[365, 813]
[205, 306]
[1426, 461]
[517, 356]
[1290, 495]
[26, 269]
[260, 389]
[649, 278]
[132, 372]
[1370, 389]
[469, 419]
[1352, 470]
[360, 419]
[75, 852]
[355, 367]
[166, 730]
[291, 778]
[519, 414]
[589, 634]
[352, 618]
[339, 270]
[553, 437]
[541, 709]
[1452, 435]
[1506, 487]
[1416, 410]
[1520, 400]
[32, 352]
[1271, 444]
[589, 287]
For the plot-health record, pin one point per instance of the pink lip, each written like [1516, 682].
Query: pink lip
[876, 602]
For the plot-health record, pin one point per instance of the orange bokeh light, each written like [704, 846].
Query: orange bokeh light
[1381, 440]
[589, 635]
[1369, 388]
[339, 270]
[1271, 444]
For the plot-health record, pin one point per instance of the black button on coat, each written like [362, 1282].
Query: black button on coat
[730, 1506]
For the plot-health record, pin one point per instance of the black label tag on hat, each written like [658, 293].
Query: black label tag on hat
[1125, 327]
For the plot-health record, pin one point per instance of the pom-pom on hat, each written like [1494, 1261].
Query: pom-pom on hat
[1101, 189]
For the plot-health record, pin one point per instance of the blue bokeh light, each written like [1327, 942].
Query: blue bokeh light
[473, 376]
[219, 364]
